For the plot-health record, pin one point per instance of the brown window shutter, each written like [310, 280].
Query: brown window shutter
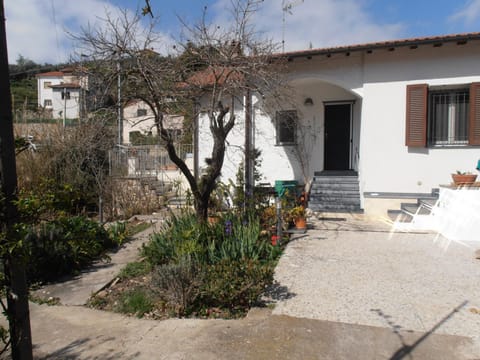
[474, 131]
[416, 127]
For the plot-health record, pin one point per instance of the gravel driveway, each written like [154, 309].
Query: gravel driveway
[358, 272]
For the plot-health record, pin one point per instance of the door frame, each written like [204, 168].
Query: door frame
[350, 135]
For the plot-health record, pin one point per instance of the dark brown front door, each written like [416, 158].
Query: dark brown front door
[337, 136]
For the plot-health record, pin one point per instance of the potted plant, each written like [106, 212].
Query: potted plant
[463, 178]
[298, 216]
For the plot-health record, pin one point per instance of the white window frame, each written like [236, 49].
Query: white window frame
[451, 117]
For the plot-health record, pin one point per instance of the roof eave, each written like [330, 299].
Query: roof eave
[414, 42]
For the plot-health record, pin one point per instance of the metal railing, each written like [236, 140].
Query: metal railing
[144, 160]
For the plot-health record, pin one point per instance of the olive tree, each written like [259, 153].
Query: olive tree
[214, 65]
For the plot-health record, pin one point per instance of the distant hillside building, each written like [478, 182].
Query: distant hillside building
[63, 93]
[139, 124]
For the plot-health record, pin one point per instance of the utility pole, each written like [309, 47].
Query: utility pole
[64, 107]
[119, 85]
[16, 286]
[249, 156]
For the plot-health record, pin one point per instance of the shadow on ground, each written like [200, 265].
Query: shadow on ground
[86, 349]
[406, 350]
[277, 292]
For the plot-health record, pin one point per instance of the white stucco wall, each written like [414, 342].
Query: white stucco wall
[281, 162]
[377, 82]
[132, 122]
[54, 94]
[46, 93]
[71, 106]
[387, 164]
[145, 124]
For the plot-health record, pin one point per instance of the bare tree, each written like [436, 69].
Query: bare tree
[215, 66]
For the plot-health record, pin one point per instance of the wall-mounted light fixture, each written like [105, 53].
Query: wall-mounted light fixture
[308, 102]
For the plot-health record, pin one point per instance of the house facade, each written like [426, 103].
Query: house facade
[139, 123]
[396, 118]
[62, 93]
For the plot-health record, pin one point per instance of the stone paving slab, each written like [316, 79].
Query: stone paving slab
[402, 281]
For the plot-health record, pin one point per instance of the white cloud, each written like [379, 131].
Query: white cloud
[33, 33]
[37, 29]
[469, 14]
[321, 23]
[324, 23]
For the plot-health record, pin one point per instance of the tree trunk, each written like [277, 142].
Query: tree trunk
[201, 209]
[18, 311]
[17, 292]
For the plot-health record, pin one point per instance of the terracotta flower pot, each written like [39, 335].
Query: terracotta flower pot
[212, 219]
[301, 223]
[464, 179]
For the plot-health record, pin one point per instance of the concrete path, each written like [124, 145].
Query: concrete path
[80, 333]
[77, 290]
[359, 272]
[347, 290]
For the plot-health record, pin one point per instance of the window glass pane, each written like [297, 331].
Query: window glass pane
[461, 117]
[448, 117]
[286, 127]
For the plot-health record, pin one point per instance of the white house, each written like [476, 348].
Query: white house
[138, 120]
[62, 92]
[394, 119]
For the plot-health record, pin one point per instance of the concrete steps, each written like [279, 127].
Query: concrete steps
[335, 191]
[407, 211]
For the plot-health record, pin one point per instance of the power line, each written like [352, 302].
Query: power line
[56, 29]
[287, 8]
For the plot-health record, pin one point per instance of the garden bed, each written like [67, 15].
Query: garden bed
[193, 269]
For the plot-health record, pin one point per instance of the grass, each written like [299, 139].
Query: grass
[134, 269]
[137, 228]
[50, 301]
[136, 301]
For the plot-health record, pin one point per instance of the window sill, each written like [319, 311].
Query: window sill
[449, 146]
[285, 144]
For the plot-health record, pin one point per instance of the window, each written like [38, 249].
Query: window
[141, 112]
[442, 117]
[286, 123]
[448, 112]
[65, 95]
[47, 84]
[47, 102]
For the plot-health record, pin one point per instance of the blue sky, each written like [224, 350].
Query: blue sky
[37, 29]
